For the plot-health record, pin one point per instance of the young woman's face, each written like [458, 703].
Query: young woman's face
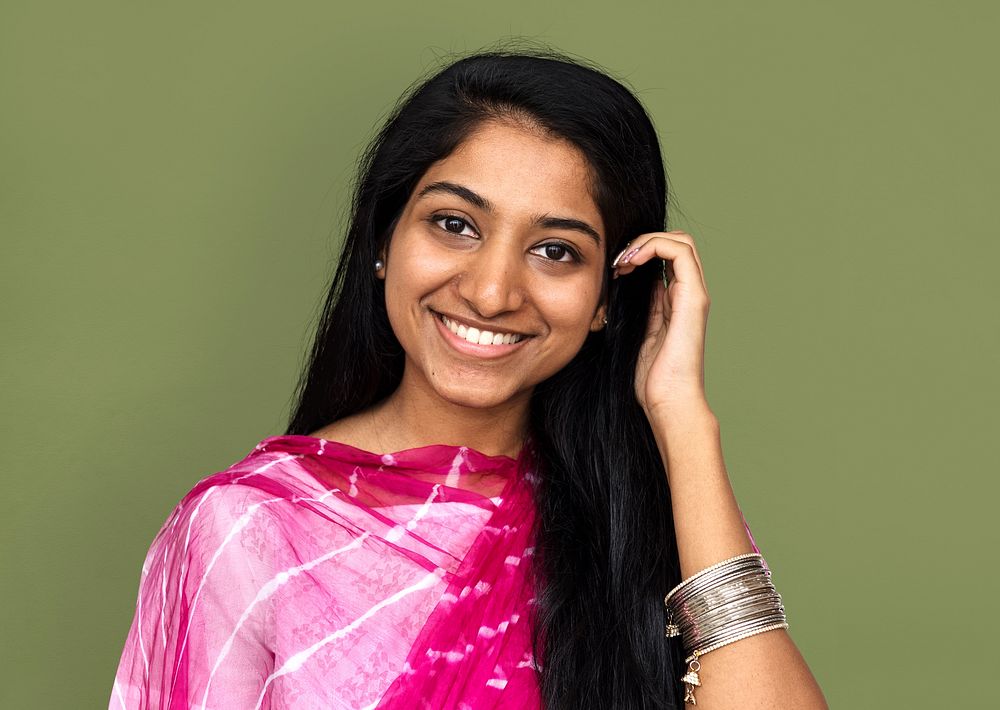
[493, 273]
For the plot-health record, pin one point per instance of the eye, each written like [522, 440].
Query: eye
[451, 224]
[556, 251]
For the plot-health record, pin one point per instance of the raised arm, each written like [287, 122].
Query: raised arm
[762, 671]
[765, 670]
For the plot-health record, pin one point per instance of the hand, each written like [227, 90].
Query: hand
[670, 373]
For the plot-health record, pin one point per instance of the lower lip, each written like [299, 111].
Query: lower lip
[486, 352]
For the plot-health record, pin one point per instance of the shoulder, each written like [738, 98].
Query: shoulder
[225, 504]
[220, 540]
[252, 486]
[194, 534]
[216, 510]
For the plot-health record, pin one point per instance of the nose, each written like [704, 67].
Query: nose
[492, 280]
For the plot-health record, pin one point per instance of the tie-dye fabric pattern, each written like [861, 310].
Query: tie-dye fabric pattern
[312, 574]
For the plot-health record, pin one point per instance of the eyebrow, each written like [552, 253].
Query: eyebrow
[546, 221]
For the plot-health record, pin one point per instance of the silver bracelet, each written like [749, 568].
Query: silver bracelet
[708, 570]
[726, 602]
[718, 573]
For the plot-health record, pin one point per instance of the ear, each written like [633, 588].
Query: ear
[383, 252]
[599, 318]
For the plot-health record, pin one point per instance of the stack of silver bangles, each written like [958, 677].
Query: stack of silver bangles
[729, 601]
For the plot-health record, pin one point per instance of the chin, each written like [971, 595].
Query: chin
[481, 395]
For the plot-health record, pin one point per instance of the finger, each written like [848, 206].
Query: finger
[682, 256]
[689, 240]
[623, 252]
[629, 249]
[626, 261]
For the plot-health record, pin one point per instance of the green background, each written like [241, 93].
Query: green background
[173, 184]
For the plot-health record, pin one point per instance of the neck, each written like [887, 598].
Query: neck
[414, 416]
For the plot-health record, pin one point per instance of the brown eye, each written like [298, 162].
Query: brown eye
[554, 251]
[452, 224]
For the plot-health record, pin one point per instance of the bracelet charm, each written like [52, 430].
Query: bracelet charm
[690, 680]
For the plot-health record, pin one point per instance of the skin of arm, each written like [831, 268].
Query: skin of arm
[762, 671]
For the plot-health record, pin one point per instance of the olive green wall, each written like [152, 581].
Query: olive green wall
[173, 180]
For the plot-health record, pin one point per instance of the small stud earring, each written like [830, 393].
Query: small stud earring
[605, 319]
[379, 264]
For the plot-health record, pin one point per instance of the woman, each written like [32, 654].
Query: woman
[502, 458]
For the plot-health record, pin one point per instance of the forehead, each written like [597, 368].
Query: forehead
[521, 171]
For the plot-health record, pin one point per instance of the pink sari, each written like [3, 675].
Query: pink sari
[312, 574]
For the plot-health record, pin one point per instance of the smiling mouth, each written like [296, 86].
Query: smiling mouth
[480, 337]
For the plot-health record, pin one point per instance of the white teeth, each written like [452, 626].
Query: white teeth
[481, 337]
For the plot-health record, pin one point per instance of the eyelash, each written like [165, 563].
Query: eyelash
[574, 256]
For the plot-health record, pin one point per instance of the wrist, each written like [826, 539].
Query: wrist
[683, 414]
[685, 436]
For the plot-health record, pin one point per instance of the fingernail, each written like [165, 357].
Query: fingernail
[632, 252]
[617, 258]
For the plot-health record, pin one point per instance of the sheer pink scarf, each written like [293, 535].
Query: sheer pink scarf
[312, 574]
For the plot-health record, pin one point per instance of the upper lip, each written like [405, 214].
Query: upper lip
[473, 323]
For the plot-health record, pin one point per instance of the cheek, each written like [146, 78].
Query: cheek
[571, 310]
[415, 258]
[413, 273]
[413, 270]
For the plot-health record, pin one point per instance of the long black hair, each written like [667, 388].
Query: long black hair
[605, 551]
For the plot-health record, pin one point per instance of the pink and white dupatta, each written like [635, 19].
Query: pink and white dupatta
[312, 574]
